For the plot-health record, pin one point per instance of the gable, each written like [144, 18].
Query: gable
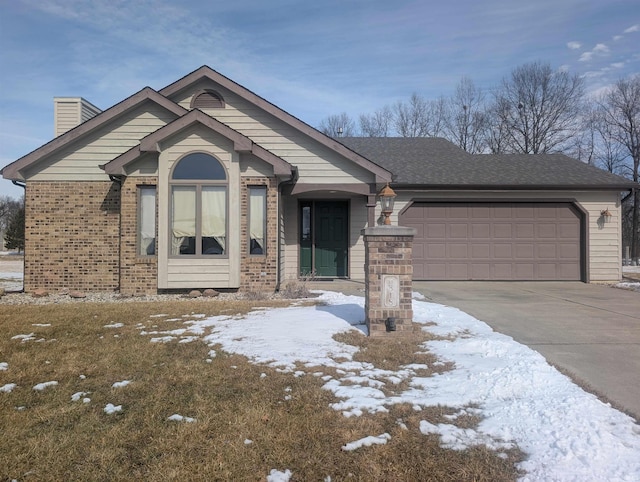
[207, 127]
[319, 158]
[77, 154]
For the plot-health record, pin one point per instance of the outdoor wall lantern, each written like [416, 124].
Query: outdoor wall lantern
[387, 196]
[606, 215]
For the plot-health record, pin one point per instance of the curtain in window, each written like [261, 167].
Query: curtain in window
[183, 215]
[257, 208]
[214, 224]
[147, 223]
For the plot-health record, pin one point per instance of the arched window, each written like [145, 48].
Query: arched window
[198, 206]
[208, 99]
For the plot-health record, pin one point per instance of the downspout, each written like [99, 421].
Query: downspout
[292, 180]
[118, 180]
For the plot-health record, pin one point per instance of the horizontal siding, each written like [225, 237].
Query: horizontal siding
[358, 221]
[81, 160]
[316, 163]
[290, 245]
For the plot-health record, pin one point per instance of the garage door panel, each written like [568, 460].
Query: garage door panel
[458, 271]
[502, 250]
[480, 251]
[547, 230]
[502, 230]
[481, 230]
[480, 271]
[524, 230]
[436, 230]
[457, 250]
[501, 241]
[458, 231]
[524, 251]
[547, 251]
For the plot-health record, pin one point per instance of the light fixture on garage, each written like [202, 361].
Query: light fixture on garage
[606, 215]
[387, 196]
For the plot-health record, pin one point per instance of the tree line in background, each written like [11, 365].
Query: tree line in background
[12, 223]
[534, 110]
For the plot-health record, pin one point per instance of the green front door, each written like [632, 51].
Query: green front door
[324, 238]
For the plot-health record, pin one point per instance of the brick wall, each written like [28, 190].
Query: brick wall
[72, 236]
[388, 255]
[138, 274]
[259, 272]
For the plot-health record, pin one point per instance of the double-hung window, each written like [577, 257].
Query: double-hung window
[198, 206]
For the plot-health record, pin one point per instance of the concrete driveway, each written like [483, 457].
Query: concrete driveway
[591, 331]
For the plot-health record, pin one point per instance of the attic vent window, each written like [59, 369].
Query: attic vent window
[208, 99]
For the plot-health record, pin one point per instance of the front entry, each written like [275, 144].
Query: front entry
[324, 238]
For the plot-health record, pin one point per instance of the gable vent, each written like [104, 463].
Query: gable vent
[209, 99]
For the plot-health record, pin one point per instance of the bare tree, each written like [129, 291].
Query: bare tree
[338, 125]
[419, 117]
[377, 124]
[620, 108]
[540, 107]
[466, 119]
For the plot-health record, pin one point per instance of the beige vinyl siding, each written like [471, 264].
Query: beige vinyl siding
[80, 160]
[358, 221]
[69, 112]
[251, 166]
[316, 163]
[290, 245]
[604, 253]
[199, 272]
[145, 165]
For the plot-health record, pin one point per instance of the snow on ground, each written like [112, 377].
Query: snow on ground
[121, 384]
[110, 408]
[567, 434]
[41, 386]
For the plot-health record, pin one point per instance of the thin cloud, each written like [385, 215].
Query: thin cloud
[601, 49]
[633, 28]
[574, 45]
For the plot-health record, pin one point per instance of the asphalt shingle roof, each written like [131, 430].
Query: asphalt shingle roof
[437, 163]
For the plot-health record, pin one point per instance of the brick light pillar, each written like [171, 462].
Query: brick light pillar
[388, 278]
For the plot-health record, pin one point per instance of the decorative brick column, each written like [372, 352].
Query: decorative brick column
[388, 280]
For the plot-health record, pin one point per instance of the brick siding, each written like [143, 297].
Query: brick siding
[71, 235]
[259, 272]
[388, 255]
[138, 274]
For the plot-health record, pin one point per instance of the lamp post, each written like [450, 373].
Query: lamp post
[387, 196]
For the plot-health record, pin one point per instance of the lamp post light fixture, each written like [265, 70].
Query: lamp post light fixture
[387, 196]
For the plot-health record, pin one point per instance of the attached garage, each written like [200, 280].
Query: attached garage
[496, 240]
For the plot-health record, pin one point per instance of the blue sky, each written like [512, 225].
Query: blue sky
[312, 59]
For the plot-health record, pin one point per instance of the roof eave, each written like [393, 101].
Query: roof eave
[514, 187]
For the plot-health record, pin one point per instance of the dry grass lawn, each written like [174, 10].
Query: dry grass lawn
[48, 437]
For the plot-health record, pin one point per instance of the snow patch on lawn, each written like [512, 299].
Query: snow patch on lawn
[41, 386]
[522, 401]
[367, 442]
